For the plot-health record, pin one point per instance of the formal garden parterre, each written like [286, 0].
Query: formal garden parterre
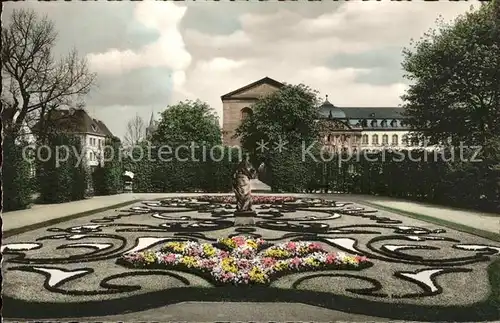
[325, 253]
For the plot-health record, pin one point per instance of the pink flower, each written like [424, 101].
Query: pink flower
[361, 258]
[268, 261]
[169, 258]
[239, 241]
[296, 261]
[315, 246]
[330, 258]
[291, 245]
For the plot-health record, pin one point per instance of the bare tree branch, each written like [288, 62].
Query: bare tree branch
[36, 81]
[136, 132]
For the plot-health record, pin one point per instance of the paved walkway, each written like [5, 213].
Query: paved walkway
[43, 213]
[478, 220]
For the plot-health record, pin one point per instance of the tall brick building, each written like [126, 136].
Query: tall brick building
[237, 104]
[343, 128]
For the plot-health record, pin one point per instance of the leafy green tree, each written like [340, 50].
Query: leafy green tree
[455, 73]
[187, 122]
[289, 113]
[186, 134]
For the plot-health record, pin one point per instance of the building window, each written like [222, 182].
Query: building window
[365, 140]
[383, 123]
[357, 139]
[373, 123]
[364, 123]
[246, 112]
[385, 139]
[91, 156]
[405, 140]
[375, 140]
[394, 123]
[329, 138]
[395, 139]
[94, 127]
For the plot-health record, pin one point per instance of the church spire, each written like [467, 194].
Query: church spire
[151, 120]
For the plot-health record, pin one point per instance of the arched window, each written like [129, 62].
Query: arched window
[395, 140]
[383, 123]
[385, 139]
[364, 123]
[405, 140]
[365, 140]
[246, 112]
[375, 140]
[373, 123]
[394, 123]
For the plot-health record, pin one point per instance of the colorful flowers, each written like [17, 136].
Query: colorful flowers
[243, 262]
[258, 199]
[293, 249]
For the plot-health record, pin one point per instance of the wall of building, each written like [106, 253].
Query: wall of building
[93, 147]
[380, 134]
[231, 109]
[232, 118]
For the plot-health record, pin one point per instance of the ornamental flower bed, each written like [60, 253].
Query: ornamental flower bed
[243, 260]
[230, 199]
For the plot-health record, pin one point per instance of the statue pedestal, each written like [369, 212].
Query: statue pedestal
[244, 218]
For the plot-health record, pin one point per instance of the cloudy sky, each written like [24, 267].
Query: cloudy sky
[151, 54]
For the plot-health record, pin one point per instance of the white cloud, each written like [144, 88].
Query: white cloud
[167, 51]
[293, 48]
[293, 43]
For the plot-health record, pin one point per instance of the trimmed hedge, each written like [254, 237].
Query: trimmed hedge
[107, 177]
[65, 178]
[184, 174]
[16, 176]
[389, 173]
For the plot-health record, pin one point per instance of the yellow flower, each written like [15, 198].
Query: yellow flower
[312, 262]
[229, 265]
[257, 276]
[277, 253]
[149, 257]
[175, 246]
[189, 261]
[208, 250]
[252, 244]
[303, 250]
[280, 265]
[228, 242]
